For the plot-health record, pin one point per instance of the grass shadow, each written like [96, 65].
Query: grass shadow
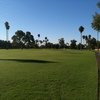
[28, 60]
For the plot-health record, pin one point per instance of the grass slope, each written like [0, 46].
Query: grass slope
[48, 75]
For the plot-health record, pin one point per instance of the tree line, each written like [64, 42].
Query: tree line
[21, 40]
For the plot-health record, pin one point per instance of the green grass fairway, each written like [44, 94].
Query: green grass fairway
[48, 75]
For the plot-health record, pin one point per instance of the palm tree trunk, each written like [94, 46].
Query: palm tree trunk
[38, 41]
[7, 35]
[81, 42]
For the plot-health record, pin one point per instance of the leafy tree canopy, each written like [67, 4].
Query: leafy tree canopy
[96, 22]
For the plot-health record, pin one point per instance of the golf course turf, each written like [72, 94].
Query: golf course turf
[40, 74]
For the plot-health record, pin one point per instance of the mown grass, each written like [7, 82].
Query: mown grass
[48, 75]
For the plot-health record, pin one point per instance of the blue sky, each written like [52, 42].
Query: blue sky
[51, 18]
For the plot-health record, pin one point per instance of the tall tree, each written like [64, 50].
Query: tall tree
[96, 26]
[7, 28]
[73, 44]
[14, 41]
[29, 40]
[81, 29]
[38, 39]
[90, 42]
[61, 42]
[22, 39]
[20, 36]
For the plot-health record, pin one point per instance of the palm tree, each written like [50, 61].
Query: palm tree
[38, 39]
[38, 35]
[7, 28]
[46, 40]
[81, 29]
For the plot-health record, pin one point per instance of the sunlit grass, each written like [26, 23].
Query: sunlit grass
[48, 75]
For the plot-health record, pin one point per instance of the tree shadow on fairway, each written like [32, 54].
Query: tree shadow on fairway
[27, 60]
